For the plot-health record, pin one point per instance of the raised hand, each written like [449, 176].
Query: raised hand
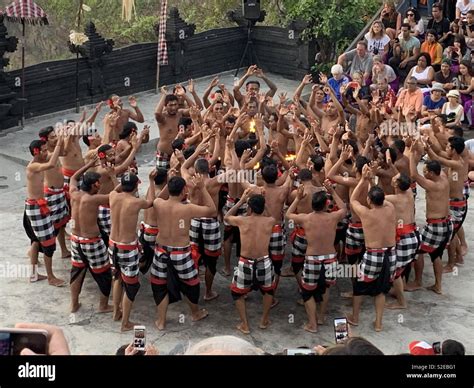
[300, 194]
[132, 101]
[214, 82]
[191, 86]
[251, 70]
[152, 175]
[323, 78]
[198, 181]
[164, 89]
[282, 97]
[307, 79]
[283, 111]
[179, 90]
[328, 186]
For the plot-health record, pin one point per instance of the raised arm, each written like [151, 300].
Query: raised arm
[74, 179]
[207, 92]
[273, 88]
[361, 188]
[135, 114]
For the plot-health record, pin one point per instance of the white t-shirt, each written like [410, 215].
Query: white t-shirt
[376, 46]
[463, 7]
[470, 145]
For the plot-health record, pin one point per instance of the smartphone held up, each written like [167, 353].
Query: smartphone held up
[13, 341]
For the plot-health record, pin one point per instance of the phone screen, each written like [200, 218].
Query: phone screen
[139, 340]
[340, 330]
[13, 342]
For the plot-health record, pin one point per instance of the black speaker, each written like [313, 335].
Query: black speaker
[251, 9]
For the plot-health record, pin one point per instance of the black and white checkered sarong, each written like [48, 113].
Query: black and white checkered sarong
[180, 258]
[313, 265]
[58, 206]
[207, 231]
[94, 251]
[372, 263]
[124, 258]
[103, 219]
[253, 274]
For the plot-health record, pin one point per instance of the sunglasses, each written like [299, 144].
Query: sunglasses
[410, 14]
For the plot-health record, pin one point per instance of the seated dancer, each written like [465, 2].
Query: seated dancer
[123, 244]
[255, 269]
[173, 251]
[320, 230]
[88, 249]
[37, 219]
[377, 268]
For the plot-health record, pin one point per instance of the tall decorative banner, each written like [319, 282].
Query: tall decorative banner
[162, 47]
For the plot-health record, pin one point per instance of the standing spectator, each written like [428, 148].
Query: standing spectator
[391, 19]
[423, 72]
[462, 7]
[336, 81]
[433, 49]
[405, 53]
[360, 58]
[439, 23]
[377, 40]
[445, 76]
[417, 25]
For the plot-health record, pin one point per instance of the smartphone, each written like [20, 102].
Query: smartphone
[437, 347]
[340, 330]
[13, 341]
[139, 339]
[299, 352]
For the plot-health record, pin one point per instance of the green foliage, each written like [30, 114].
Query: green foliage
[334, 23]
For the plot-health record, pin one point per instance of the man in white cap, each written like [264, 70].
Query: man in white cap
[433, 102]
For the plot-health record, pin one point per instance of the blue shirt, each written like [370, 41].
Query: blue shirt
[431, 105]
[335, 85]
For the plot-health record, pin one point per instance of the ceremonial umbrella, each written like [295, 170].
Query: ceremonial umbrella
[24, 11]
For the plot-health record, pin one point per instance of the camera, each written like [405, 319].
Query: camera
[437, 347]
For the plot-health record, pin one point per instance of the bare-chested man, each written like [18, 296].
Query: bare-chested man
[275, 199]
[173, 251]
[123, 244]
[252, 88]
[408, 239]
[298, 236]
[255, 268]
[54, 191]
[457, 174]
[108, 176]
[88, 249]
[168, 127]
[148, 228]
[377, 268]
[72, 160]
[205, 233]
[320, 229]
[111, 134]
[438, 229]
[37, 217]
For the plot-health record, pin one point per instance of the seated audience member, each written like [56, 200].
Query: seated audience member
[377, 40]
[433, 102]
[360, 58]
[439, 23]
[453, 109]
[336, 81]
[423, 72]
[391, 19]
[433, 49]
[405, 53]
[410, 101]
[417, 26]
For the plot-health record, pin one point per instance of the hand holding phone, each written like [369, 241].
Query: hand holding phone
[14, 341]
[341, 332]
[139, 339]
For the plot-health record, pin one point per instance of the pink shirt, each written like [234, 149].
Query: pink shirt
[408, 101]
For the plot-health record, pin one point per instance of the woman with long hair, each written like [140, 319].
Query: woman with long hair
[377, 40]
[391, 19]
[413, 18]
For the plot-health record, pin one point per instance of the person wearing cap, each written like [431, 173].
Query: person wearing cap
[433, 49]
[123, 244]
[453, 109]
[336, 81]
[433, 102]
[445, 76]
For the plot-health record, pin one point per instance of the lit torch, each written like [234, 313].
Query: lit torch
[252, 126]
[290, 157]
